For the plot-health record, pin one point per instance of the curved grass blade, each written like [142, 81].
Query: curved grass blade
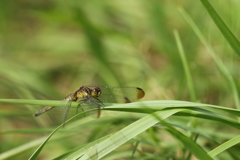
[20, 149]
[223, 147]
[152, 106]
[39, 149]
[217, 60]
[35, 143]
[188, 143]
[228, 35]
[222, 119]
[122, 136]
[135, 106]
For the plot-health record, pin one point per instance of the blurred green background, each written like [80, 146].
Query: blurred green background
[50, 48]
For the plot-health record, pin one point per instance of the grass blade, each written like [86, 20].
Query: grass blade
[188, 143]
[217, 60]
[20, 149]
[225, 146]
[39, 149]
[122, 136]
[185, 66]
[229, 36]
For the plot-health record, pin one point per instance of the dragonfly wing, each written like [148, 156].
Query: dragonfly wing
[65, 107]
[93, 106]
[120, 94]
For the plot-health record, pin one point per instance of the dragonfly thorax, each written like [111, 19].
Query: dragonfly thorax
[85, 92]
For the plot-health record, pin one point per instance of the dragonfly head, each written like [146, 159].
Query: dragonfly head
[96, 92]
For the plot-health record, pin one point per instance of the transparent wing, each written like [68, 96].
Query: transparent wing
[47, 108]
[95, 104]
[120, 94]
[65, 106]
[91, 104]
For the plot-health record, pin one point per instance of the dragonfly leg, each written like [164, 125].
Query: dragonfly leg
[77, 108]
[79, 105]
[99, 104]
[98, 101]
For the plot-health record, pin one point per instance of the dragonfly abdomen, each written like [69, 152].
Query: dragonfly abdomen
[43, 110]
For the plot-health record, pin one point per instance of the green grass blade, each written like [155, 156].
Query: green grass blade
[185, 66]
[217, 60]
[33, 102]
[212, 117]
[134, 107]
[165, 107]
[33, 144]
[134, 150]
[229, 36]
[39, 149]
[20, 149]
[81, 150]
[188, 143]
[223, 147]
[124, 135]
[151, 106]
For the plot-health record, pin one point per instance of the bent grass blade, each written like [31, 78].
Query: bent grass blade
[122, 136]
[39, 149]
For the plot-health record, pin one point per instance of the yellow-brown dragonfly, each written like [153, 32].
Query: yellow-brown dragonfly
[95, 96]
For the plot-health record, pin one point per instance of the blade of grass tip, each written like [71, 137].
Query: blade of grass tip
[223, 147]
[228, 35]
[39, 149]
[186, 141]
[185, 66]
[217, 60]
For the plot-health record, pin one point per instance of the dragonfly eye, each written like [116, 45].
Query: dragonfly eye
[96, 92]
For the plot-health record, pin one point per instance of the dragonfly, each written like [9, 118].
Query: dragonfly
[94, 97]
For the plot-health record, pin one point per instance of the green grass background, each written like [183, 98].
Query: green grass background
[171, 49]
